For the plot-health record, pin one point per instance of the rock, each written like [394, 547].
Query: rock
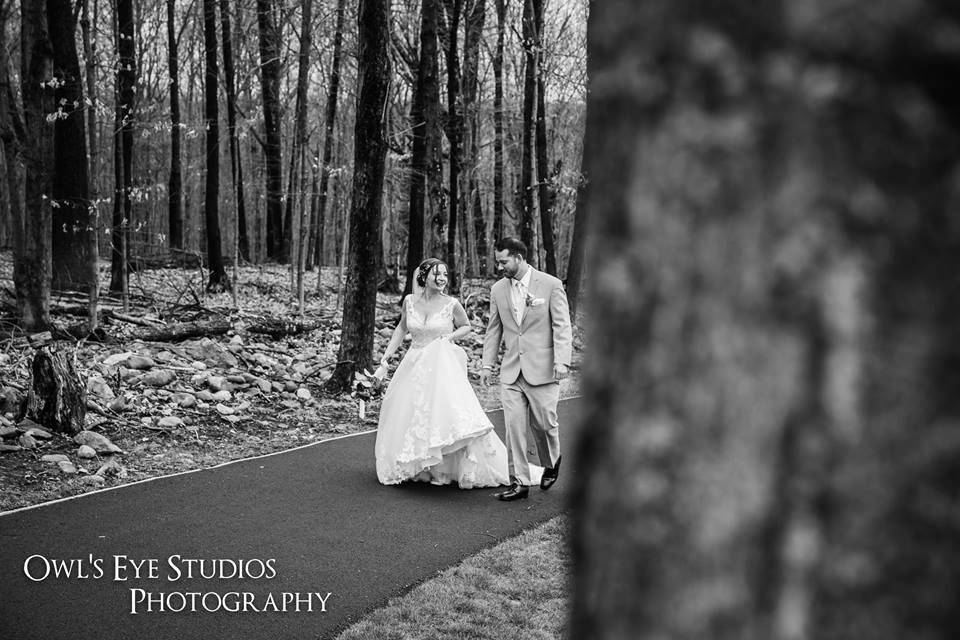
[199, 379]
[37, 432]
[92, 481]
[289, 386]
[185, 400]
[97, 386]
[111, 468]
[304, 394]
[141, 363]
[224, 410]
[54, 457]
[198, 365]
[10, 399]
[216, 383]
[264, 385]
[98, 441]
[6, 432]
[204, 396]
[27, 441]
[117, 358]
[86, 452]
[158, 378]
[236, 378]
[223, 396]
[9, 448]
[170, 422]
[276, 386]
[67, 467]
[236, 340]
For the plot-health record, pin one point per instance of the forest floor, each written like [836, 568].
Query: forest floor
[252, 386]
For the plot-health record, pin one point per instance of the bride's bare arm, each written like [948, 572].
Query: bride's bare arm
[461, 323]
[397, 338]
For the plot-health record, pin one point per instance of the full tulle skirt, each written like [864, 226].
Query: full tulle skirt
[432, 427]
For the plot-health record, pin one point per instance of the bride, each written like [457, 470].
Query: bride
[432, 427]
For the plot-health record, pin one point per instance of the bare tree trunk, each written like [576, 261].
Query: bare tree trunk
[330, 123]
[236, 165]
[12, 138]
[218, 280]
[427, 81]
[370, 152]
[769, 436]
[498, 208]
[32, 257]
[301, 140]
[93, 153]
[270, 79]
[529, 111]
[544, 183]
[474, 220]
[175, 190]
[123, 171]
[454, 133]
[574, 280]
[71, 225]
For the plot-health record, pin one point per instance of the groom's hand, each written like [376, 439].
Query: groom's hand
[485, 376]
[560, 371]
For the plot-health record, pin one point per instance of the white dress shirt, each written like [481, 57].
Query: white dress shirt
[518, 296]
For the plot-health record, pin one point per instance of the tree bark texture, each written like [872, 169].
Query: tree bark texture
[218, 280]
[58, 400]
[770, 431]
[370, 151]
[474, 219]
[32, 258]
[328, 129]
[544, 182]
[454, 127]
[73, 222]
[527, 226]
[273, 153]
[123, 147]
[236, 164]
[426, 82]
[175, 182]
[498, 170]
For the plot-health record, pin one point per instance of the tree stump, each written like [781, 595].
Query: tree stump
[57, 399]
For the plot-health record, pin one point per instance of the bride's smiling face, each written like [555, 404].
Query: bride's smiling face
[437, 279]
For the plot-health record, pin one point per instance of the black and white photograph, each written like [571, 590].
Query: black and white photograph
[479, 319]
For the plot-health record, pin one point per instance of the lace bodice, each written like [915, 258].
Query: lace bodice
[424, 330]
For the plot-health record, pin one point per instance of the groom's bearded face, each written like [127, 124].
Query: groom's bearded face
[510, 265]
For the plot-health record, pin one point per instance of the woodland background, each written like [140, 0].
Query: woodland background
[222, 133]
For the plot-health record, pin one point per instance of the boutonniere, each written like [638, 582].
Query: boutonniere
[534, 302]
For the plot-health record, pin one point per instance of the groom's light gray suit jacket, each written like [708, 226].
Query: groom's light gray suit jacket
[543, 338]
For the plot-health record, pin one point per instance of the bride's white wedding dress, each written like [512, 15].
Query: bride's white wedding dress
[432, 427]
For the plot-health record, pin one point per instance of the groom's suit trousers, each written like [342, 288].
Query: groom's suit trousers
[529, 408]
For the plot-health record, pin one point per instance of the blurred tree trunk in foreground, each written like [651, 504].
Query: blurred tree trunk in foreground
[771, 436]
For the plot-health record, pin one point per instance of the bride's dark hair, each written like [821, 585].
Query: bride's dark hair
[426, 267]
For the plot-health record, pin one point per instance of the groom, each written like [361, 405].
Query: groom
[529, 314]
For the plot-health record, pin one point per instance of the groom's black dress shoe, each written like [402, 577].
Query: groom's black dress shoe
[515, 492]
[550, 475]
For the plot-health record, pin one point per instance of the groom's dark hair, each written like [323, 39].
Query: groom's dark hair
[513, 247]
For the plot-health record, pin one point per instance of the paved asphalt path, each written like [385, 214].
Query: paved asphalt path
[314, 520]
